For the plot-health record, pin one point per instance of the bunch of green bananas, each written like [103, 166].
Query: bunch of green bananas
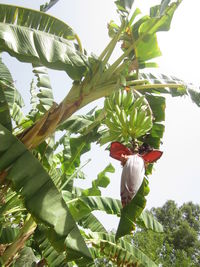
[128, 116]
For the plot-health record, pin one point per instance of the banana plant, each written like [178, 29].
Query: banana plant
[40, 206]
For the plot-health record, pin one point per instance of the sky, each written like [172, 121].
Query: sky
[177, 174]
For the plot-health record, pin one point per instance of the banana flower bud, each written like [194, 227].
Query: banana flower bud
[133, 169]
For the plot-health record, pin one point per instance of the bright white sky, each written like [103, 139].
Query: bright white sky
[177, 174]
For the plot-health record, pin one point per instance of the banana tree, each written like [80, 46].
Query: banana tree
[40, 206]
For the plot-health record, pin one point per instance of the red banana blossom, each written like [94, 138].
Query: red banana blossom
[133, 168]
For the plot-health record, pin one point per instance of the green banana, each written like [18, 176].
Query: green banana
[133, 117]
[140, 118]
[111, 125]
[139, 102]
[115, 118]
[107, 104]
[118, 98]
[123, 97]
[128, 100]
[123, 119]
[118, 110]
[127, 116]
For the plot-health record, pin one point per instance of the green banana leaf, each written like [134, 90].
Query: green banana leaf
[4, 109]
[41, 198]
[38, 38]
[45, 95]
[74, 148]
[25, 258]
[34, 19]
[120, 252]
[157, 104]
[146, 220]
[52, 257]
[124, 5]
[102, 178]
[185, 89]
[11, 96]
[8, 234]
[77, 123]
[160, 17]
[91, 222]
[81, 206]
[47, 5]
[131, 212]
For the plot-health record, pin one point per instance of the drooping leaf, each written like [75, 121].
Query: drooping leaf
[132, 211]
[40, 195]
[38, 38]
[34, 19]
[168, 85]
[83, 206]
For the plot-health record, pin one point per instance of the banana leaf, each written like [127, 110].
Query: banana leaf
[82, 206]
[52, 257]
[41, 198]
[12, 98]
[131, 212]
[47, 6]
[45, 95]
[121, 252]
[36, 37]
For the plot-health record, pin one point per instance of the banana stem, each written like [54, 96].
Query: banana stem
[157, 86]
[137, 82]
[102, 55]
[110, 47]
[79, 43]
[113, 67]
[113, 44]
[98, 71]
